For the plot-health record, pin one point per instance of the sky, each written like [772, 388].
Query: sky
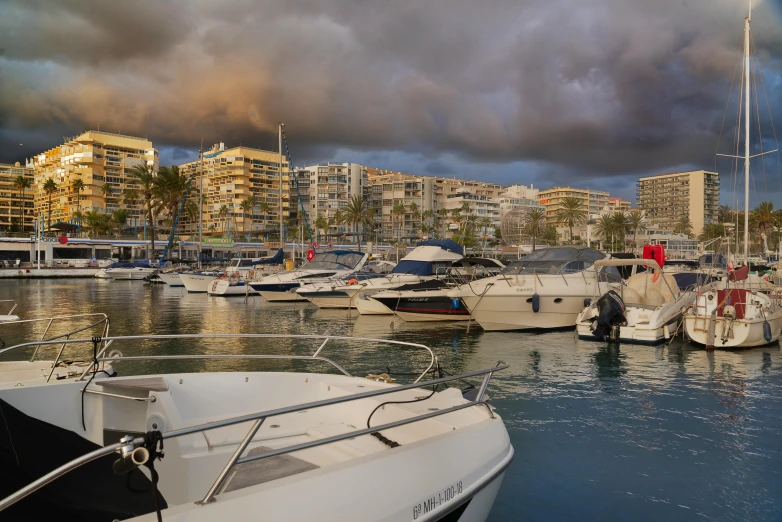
[590, 93]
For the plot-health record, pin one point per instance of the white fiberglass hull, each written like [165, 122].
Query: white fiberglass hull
[196, 282]
[282, 297]
[515, 312]
[636, 333]
[8, 318]
[171, 279]
[370, 306]
[223, 287]
[101, 274]
[718, 320]
[739, 334]
[132, 274]
[339, 479]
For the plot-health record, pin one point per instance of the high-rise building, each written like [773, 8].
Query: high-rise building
[667, 198]
[519, 196]
[11, 201]
[324, 189]
[391, 190]
[231, 176]
[102, 161]
[618, 205]
[592, 201]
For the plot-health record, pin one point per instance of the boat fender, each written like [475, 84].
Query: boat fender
[353, 281]
[767, 331]
[455, 303]
[587, 302]
[535, 303]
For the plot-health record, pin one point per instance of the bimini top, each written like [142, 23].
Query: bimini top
[651, 263]
[335, 260]
[555, 260]
[446, 244]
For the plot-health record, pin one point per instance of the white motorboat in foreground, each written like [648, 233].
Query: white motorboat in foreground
[332, 264]
[648, 309]
[249, 444]
[544, 290]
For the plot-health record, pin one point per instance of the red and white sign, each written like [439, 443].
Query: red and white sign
[310, 254]
[63, 240]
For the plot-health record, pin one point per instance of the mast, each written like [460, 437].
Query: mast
[746, 136]
[282, 241]
[200, 202]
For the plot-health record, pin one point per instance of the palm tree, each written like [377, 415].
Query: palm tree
[683, 225]
[761, 219]
[170, 188]
[484, 223]
[145, 175]
[119, 218]
[21, 184]
[621, 227]
[107, 191]
[357, 214]
[636, 223]
[265, 213]
[399, 211]
[534, 224]
[50, 187]
[253, 201]
[321, 224]
[246, 206]
[571, 213]
[443, 214]
[223, 213]
[415, 215]
[725, 214]
[712, 231]
[77, 186]
[605, 226]
[428, 215]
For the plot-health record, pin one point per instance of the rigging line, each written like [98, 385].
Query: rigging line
[725, 114]
[773, 128]
[736, 141]
[757, 111]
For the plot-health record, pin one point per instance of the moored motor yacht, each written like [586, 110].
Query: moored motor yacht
[421, 264]
[546, 289]
[429, 300]
[129, 271]
[332, 264]
[292, 436]
[198, 281]
[647, 309]
[171, 278]
[240, 272]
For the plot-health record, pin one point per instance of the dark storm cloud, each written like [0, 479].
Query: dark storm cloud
[585, 86]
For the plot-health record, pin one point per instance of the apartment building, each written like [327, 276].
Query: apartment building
[103, 161]
[11, 201]
[618, 205]
[519, 196]
[666, 198]
[231, 175]
[324, 189]
[592, 201]
[389, 189]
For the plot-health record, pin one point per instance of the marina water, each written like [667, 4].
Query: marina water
[601, 432]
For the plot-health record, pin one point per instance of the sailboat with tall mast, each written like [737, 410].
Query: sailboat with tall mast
[737, 316]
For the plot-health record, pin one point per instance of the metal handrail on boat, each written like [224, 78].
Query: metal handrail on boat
[62, 338]
[108, 341]
[12, 307]
[259, 418]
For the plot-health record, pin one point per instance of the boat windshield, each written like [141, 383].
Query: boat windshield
[554, 261]
[712, 260]
[339, 260]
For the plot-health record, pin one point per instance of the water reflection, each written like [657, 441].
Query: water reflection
[602, 431]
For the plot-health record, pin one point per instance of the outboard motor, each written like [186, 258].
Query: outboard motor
[611, 309]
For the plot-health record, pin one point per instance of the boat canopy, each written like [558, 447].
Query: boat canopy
[335, 260]
[651, 263]
[276, 259]
[446, 244]
[713, 260]
[555, 260]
